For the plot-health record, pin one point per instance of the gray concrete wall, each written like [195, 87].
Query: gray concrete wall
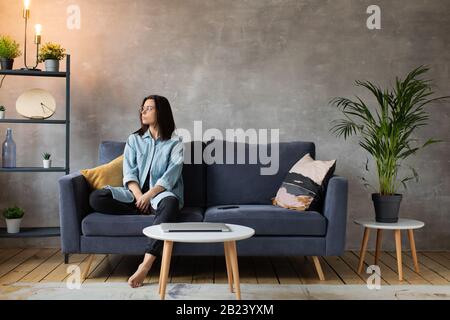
[248, 64]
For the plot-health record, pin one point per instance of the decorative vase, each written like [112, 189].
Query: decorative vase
[6, 64]
[2, 114]
[9, 151]
[13, 225]
[47, 163]
[52, 65]
[386, 207]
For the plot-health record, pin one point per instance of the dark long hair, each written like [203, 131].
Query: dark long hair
[164, 117]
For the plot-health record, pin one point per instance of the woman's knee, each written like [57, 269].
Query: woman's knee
[169, 202]
[167, 210]
[98, 198]
[168, 207]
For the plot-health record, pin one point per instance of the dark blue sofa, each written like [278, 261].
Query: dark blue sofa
[278, 231]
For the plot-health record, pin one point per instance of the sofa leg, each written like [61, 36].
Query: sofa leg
[318, 268]
[66, 258]
[86, 272]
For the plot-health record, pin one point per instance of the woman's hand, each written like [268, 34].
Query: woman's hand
[135, 189]
[143, 202]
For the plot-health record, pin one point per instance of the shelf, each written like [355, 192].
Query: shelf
[33, 169]
[41, 231]
[33, 73]
[32, 233]
[41, 121]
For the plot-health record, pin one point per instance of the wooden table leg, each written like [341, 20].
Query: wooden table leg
[378, 247]
[165, 266]
[413, 250]
[398, 249]
[235, 268]
[362, 254]
[160, 279]
[228, 263]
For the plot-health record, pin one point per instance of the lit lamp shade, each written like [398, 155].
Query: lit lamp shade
[36, 104]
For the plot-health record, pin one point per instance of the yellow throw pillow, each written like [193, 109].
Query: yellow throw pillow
[110, 173]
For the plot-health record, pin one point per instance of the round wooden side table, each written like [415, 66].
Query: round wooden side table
[401, 224]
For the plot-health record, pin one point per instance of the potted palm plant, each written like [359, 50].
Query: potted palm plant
[9, 50]
[51, 54]
[386, 133]
[13, 217]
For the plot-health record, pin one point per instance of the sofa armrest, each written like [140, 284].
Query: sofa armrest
[335, 210]
[73, 207]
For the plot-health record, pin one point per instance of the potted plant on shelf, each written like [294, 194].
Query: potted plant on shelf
[386, 133]
[2, 112]
[9, 50]
[46, 160]
[51, 54]
[13, 217]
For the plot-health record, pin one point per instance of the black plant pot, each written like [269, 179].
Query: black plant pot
[7, 64]
[386, 207]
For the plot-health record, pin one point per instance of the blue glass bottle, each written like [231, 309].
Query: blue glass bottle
[9, 151]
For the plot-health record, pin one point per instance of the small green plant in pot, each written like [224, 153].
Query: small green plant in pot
[51, 54]
[46, 160]
[9, 50]
[2, 112]
[13, 217]
[386, 133]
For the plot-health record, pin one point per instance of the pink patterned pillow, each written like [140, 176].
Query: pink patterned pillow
[303, 187]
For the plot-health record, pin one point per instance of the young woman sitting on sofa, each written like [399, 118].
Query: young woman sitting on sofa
[152, 180]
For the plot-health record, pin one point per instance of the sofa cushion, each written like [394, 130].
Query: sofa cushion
[271, 220]
[243, 183]
[110, 150]
[304, 185]
[100, 224]
[194, 175]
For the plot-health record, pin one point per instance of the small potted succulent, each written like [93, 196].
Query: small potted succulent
[2, 112]
[9, 50]
[51, 54]
[13, 217]
[46, 160]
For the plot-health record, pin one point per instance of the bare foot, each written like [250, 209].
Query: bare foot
[137, 279]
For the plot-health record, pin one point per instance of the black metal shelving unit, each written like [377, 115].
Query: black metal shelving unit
[41, 231]
[32, 233]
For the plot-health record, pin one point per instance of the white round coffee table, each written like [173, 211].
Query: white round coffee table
[401, 224]
[229, 239]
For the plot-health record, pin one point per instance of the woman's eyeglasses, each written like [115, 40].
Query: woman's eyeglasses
[146, 108]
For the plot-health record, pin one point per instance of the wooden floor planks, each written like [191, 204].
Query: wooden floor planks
[46, 265]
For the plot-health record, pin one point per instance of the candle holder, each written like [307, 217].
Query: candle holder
[37, 41]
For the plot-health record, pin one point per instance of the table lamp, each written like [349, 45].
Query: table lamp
[37, 38]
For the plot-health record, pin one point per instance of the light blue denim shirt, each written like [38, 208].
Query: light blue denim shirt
[163, 158]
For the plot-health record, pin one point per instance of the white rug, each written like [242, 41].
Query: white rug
[121, 291]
